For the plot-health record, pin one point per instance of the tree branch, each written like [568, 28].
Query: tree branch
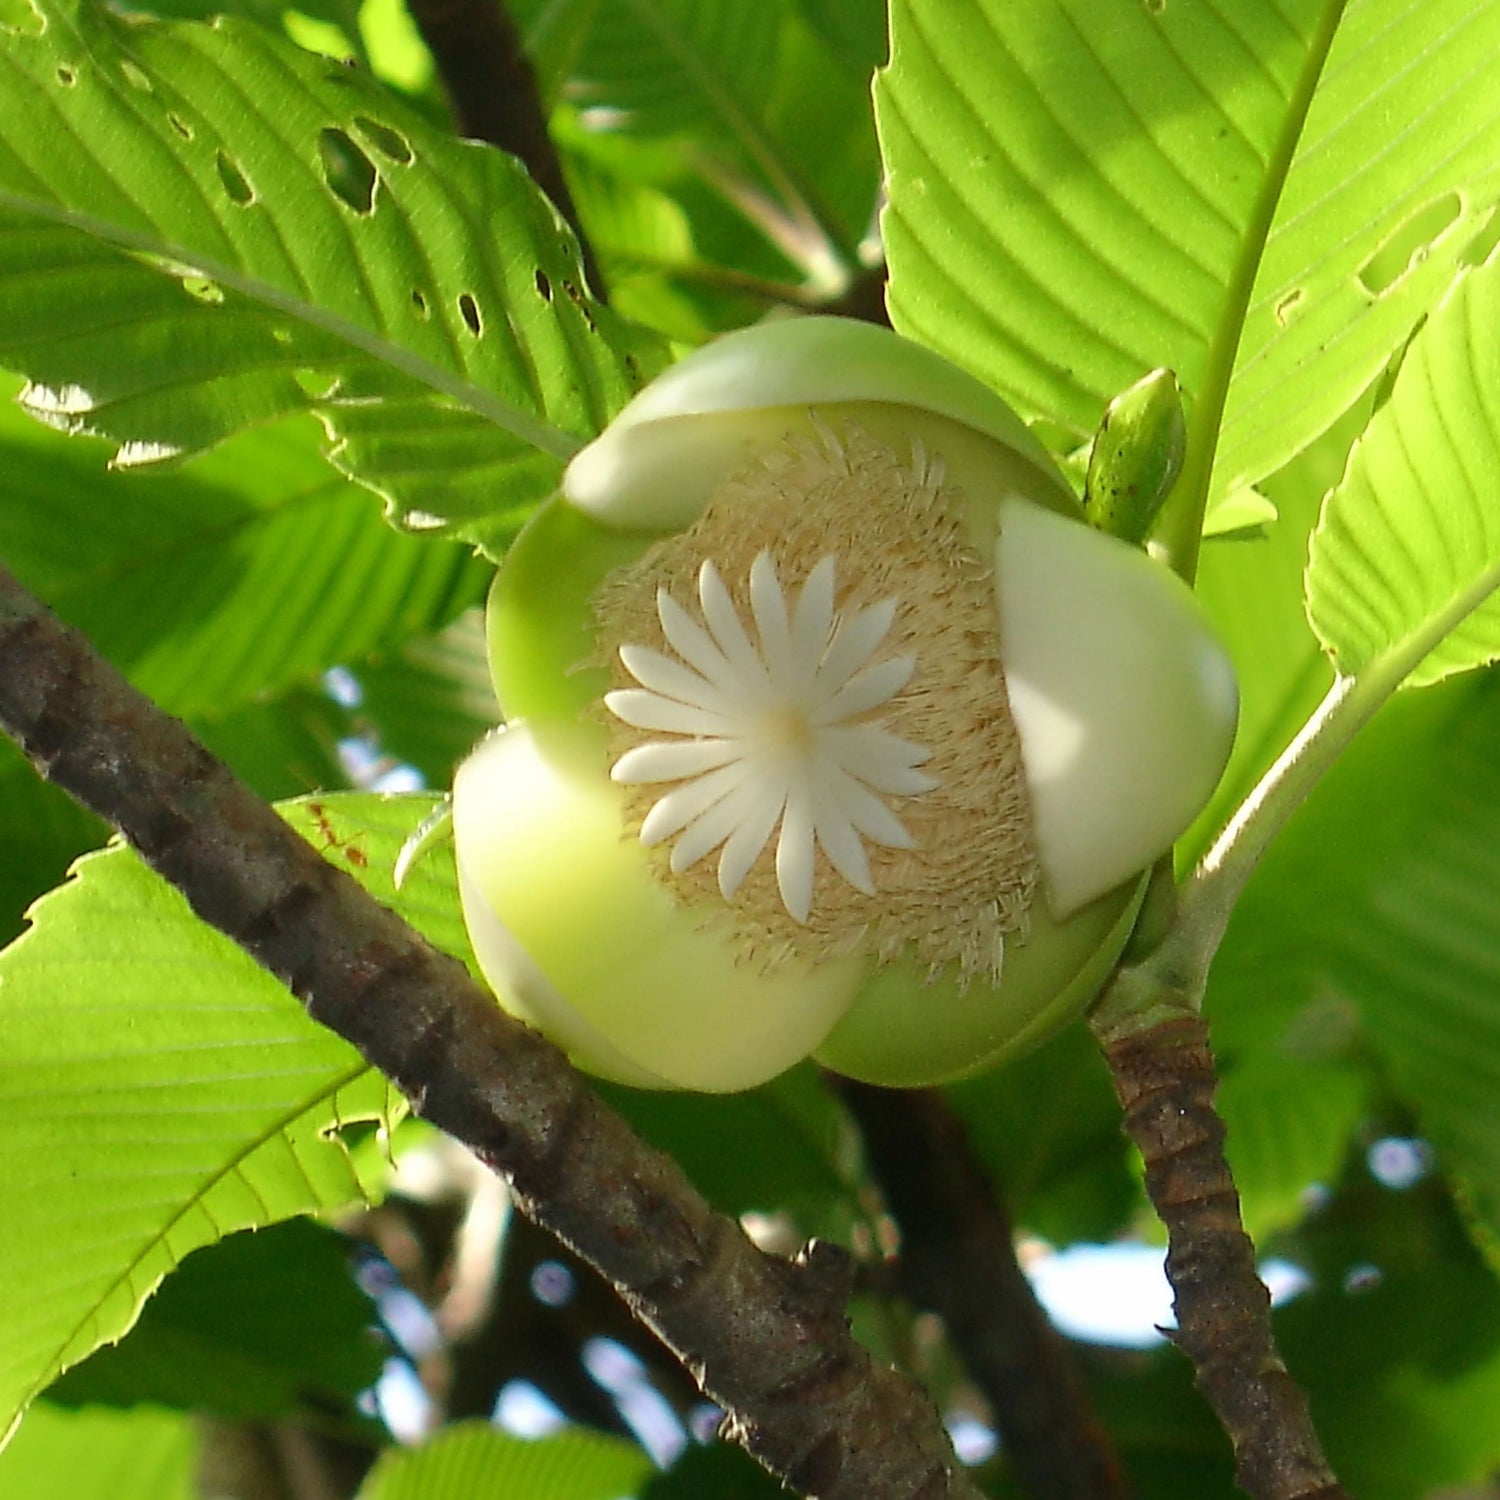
[958, 1260]
[1164, 1076]
[493, 94]
[766, 1338]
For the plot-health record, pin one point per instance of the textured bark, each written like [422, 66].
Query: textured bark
[766, 1338]
[493, 94]
[958, 1260]
[1165, 1080]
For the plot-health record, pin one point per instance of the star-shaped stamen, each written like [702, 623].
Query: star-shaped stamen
[775, 730]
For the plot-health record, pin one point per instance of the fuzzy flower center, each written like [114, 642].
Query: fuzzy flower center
[773, 733]
[809, 716]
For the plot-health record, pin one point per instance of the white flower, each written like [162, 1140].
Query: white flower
[777, 730]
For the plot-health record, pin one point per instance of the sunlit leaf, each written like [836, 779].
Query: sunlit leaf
[1265, 198]
[162, 1091]
[102, 1455]
[1406, 556]
[475, 1461]
[239, 230]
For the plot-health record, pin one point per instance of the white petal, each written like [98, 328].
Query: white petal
[839, 840]
[663, 675]
[671, 761]
[706, 833]
[854, 642]
[692, 799]
[692, 642]
[642, 709]
[794, 854]
[866, 811]
[883, 761]
[724, 623]
[758, 805]
[768, 604]
[1123, 699]
[812, 623]
[866, 690]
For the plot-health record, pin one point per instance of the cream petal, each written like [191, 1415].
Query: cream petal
[690, 800]
[768, 605]
[794, 854]
[693, 643]
[643, 709]
[866, 690]
[759, 808]
[723, 621]
[662, 760]
[854, 642]
[663, 675]
[866, 812]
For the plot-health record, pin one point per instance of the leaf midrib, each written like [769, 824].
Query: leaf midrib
[541, 435]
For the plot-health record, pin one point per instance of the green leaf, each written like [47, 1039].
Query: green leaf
[1081, 192]
[213, 585]
[1371, 941]
[162, 1091]
[1406, 556]
[474, 1461]
[429, 702]
[102, 1455]
[264, 1326]
[239, 230]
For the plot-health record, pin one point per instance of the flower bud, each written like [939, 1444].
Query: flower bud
[832, 728]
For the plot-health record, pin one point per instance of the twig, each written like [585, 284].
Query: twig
[766, 1338]
[958, 1260]
[1164, 1076]
[493, 94]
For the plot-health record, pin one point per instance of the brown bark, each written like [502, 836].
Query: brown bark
[766, 1338]
[1165, 1080]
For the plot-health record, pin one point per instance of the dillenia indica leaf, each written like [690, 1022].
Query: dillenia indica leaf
[236, 229]
[1136, 458]
[1406, 554]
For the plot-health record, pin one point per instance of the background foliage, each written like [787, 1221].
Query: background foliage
[226, 259]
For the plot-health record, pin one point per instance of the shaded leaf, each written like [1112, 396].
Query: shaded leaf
[1406, 555]
[1374, 936]
[254, 568]
[241, 230]
[268, 1325]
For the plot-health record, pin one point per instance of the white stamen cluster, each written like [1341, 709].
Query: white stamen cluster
[777, 730]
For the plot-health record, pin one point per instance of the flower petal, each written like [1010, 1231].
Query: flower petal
[794, 854]
[866, 690]
[663, 675]
[690, 800]
[643, 709]
[664, 760]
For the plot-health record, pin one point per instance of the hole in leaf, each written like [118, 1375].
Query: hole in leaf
[1409, 245]
[318, 384]
[21, 18]
[419, 302]
[349, 173]
[469, 310]
[283, 336]
[1478, 250]
[391, 144]
[201, 289]
[234, 180]
[136, 77]
[579, 301]
[181, 126]
[1286, 309]
[543, 286]
[1154, 7]
[66, 76]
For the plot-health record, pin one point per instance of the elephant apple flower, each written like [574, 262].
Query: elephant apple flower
[832, 728]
